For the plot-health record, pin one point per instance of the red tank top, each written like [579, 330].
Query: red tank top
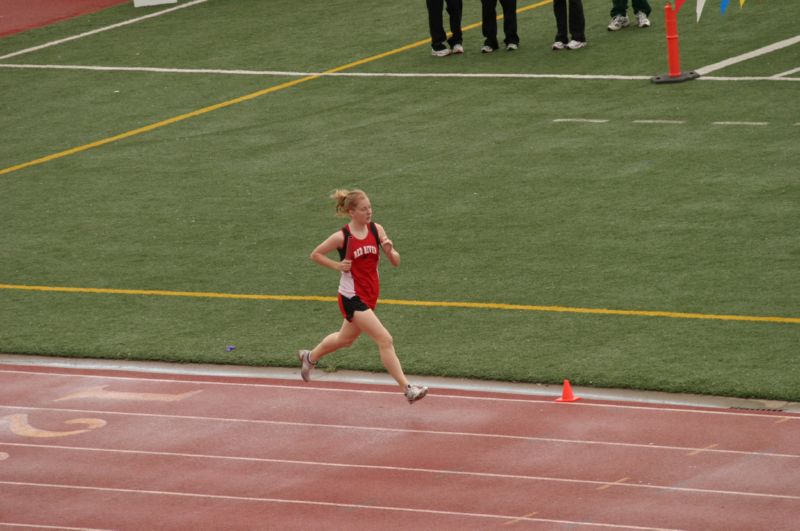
[362, 280]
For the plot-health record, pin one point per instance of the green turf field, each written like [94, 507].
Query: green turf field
[490, 189]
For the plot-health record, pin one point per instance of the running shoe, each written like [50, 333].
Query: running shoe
[441, 51]
[415, 392]
[457, 49]
[641, 20]
[306, 364]
[511, 46]
[558, 45]
[574, 45]
[618, 22]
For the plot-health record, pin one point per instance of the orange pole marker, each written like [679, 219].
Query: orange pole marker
[673, 51]
[673, 48]
[566, 393]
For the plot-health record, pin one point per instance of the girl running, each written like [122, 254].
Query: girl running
[358, 244]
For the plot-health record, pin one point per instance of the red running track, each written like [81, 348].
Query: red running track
[86, 449]
[21, 15]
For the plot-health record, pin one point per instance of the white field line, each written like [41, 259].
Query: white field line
[742, 123]
[325, 504]
[659, 121]
[437, 395]
[747, 78]
[100, 30]
[282, 73]
[438, 433]
[787, 73]
[581, 120]
[749, 55]
[317, 74]
[414, 470]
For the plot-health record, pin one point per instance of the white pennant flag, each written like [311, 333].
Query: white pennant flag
[700, 5]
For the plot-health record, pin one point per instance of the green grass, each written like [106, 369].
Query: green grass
[487, 198]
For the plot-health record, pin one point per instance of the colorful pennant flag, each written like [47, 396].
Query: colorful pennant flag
[701, 4]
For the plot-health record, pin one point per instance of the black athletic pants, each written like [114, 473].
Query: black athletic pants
[489, 22]
[436, 22]
[577, 23]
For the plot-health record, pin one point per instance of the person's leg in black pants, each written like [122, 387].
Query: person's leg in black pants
[435, 23]
[510, 21]
[560, 11]
[577, 22]
[454, 9]
[489, 23]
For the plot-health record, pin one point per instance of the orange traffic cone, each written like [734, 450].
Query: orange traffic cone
[566, 393]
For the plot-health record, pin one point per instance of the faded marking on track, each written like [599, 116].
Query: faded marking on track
[326, 504]
[701, 450]
[620, 481]
[598, 484]
[407, 430]
[521, 518]
[100, 392]
[19, 425]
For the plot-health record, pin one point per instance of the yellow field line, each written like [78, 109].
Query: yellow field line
[400, 302]
[224, 104]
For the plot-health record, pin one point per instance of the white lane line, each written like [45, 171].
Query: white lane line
[498, 436]
[742, 123]
[747, 78]
[600, 485]
[286, 73]
[531, 400]
[580, 120]
[321, 74]
[40, 526]
[787, 73]
[166, 70]
[659, 121]
[100, 30]
[325, 504]
[749, 55]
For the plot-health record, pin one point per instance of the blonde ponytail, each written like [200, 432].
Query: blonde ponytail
[346, 200]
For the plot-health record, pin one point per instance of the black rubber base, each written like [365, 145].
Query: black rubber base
[666, 78]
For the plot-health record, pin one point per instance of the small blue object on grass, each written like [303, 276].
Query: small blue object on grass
[230, 348]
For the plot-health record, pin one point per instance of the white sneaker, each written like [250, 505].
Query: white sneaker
[641, 20]
[574, 45]
[457, 48]
[512, 46]
[487, 49]
[415, 392]
[306, 364]
[618, 22]
[558, 45]
[441, 53]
